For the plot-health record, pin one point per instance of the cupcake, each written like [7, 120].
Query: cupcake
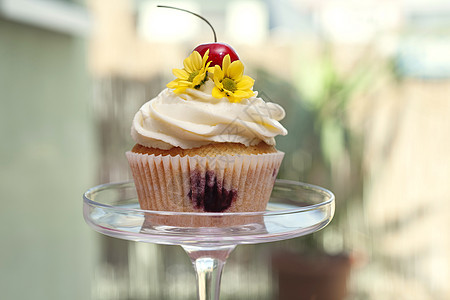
[206, 142]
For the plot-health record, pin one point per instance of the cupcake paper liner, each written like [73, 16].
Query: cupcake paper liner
[240, 183]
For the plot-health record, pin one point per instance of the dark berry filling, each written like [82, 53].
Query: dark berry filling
[208, 193]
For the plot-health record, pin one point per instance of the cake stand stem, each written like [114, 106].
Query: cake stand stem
[208, 264]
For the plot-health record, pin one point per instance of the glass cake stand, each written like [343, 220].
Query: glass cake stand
[294, 209]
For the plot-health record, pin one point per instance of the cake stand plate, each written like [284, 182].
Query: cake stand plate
[294, 209]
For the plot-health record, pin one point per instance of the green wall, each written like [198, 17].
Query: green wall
[46, 162]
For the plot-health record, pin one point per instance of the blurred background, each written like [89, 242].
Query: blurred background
[366, 88]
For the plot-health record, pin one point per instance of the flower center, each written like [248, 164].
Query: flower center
[229, 84]
[192, 76]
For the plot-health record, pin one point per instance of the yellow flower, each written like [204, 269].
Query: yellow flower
[193, 75]
[230, 82]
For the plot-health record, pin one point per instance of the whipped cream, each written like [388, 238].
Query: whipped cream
[196, 118]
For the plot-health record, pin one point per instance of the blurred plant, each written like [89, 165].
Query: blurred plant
[328, 94]
[321, 147]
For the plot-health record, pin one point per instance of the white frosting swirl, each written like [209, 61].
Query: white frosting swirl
[197, 118]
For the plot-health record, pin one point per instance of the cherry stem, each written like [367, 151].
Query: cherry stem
[197, 15]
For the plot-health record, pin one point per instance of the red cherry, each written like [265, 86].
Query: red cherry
[217, 52]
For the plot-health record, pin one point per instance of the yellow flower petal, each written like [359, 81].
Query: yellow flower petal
[216, 93]
[173, 84]
[243, 94]
[245, 83]
[196, 60]
[226, 63]
[205, 58]
[180, 90]
[184, 83]
[233, 99]
[235, 70]
[182, 74]
[218, 73]
[189, 62]
[188, 65]
[207, 65]
[218, 84]
[198, 79]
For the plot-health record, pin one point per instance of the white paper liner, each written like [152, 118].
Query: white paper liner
[197, 184]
